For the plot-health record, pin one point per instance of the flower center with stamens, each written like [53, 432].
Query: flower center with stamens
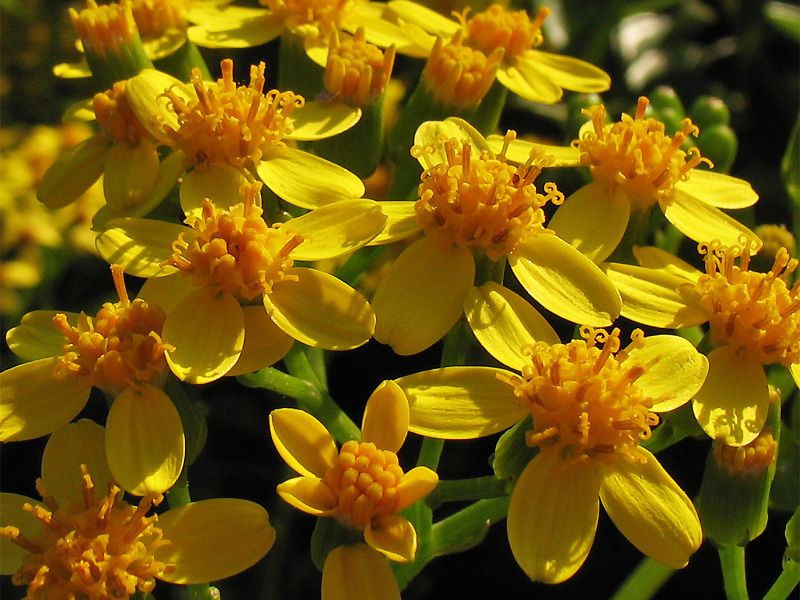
[584, 400]
[106, 29]
[755, 312]
[325, 14]
[365, 480]
[459, 76]
[94, 549]
[479, 201]
[230, 123]
[750, 460]
[496, 27]
[156, 17]
[638, 155]
[234, 250]
[116, 117]
[357, 71]
[121, 346]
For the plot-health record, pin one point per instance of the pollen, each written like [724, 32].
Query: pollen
[496, 28]
[755, 312]
[119, 347]
[357, 72]
[231, 123]
[460, 76]
[116, 118]
[325, 14]
[751, 460]
[107, 29]
[364, 479]
[482, 202]
[584, 399]
[234, 250]
[93, 549]
[157, 17]
[638, 155]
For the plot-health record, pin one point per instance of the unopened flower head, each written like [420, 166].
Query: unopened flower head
[584, 399]
[752, 459]
[754, 312]
[357, 72]
[231, 123]
[479, 201]
[157, 17]
[637, 154]
[106, 29]
[116, 118]
[459, 76]
[325, 14]
[496, 28]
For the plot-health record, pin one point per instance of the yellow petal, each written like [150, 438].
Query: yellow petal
[34, 402]
[655, 298]
[593, 220]
[385, 421]
[401, 221]
[503, 322]
[219, 181]
[565, 282]
[650, 509]
[519, 151]
[306, 180]
[320, 120]
[358, 572]
[656, 258]
[213, 539]
[12, 514]
[302, 441]
[717, 189]
[76, 70]
[794, 369]
[145, 444]
[431, 133]
[570, 73]
[69, 447]
[140, 245]
[415, 485]
[73, 172]
[460, 403]
[733, 404]
[552, 518]
[145, 94]
[37, 337]
[309, 494]
[320, 310]
[245, 33]
[130, 175]
[393, 536]
[378, 31]
[674, 371]
[207, 332]
[336, 229]
[525, 80]
[407, 319]
[167, 291]
[702, 222]
[430, 20]
[264, 342]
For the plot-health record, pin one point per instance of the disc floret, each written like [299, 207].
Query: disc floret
[497, 27]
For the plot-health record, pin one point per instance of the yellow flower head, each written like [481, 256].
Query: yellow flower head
[323, 14]
[637, 155]
[107, 29]
[751, 460]
[757, 313]
[357, 71]
[156, 18]
[496, 27]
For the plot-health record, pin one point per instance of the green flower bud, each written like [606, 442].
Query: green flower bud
[707, 111]
[718, 143]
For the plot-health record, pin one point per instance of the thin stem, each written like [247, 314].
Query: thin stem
[786, 583]
[732, 560]
[461, 490]
[645, 581]
[468, 527]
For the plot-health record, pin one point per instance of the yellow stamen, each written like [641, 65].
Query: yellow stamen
[357, 71]
[496, 28]
[105, 29]
[750, 460]
[116, 118]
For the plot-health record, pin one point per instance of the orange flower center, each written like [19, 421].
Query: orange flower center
[357, 71]
[234, 250]
[750, 460]
[97, 549]
[107, 29]
[498, 28]
[116, 117]
[230, 123]
[483, 202]
[584, 400]
[325, 14]
[156, 17]
[458, 75]
[756, 312]
[365, 481]
[638, 155]
[120, 347]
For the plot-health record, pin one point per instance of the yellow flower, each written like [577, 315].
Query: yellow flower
[636, 165]
[224, 132]
[472, 202]
[362, 484]
[216, 277]
[753, 321]
[81, 542]
[592, 404]
[119, 351]
[533, 74]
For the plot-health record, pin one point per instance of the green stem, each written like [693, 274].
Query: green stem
[732, 560]
[462, 490]
[468, 527]
[786, 582]
[430, 452]
[645, 581]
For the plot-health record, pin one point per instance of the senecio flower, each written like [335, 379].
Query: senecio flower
[472, 203]
[84, 541]
[223, 132]
[592, 404]
[533, 74]
[216, 276]
[636, 165]
[362, 485]
[120, 351]
[753, 320]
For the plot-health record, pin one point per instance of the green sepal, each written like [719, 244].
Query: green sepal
[512, 453]
[180, 63]
[487, 115]
[328, 535]
[195, 427]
